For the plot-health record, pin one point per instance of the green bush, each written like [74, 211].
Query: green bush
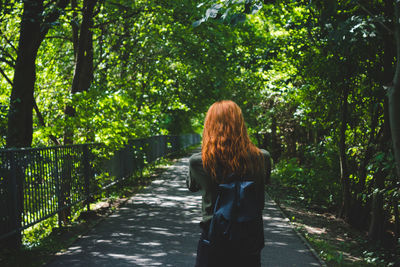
[313, 178]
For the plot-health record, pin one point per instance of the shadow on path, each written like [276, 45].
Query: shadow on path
[159, 227]
[282, 245]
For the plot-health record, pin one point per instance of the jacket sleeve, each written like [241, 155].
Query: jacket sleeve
[267, 164]
[191, 183]
[265, 175]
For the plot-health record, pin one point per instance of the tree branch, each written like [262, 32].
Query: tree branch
[9, 63]
[372, 15]
[75, 28]
[8, 41]
[59, 37]
[49, 3]
[119, 5]
[128, 15]
[52, 16]
[6, 77]
[41, 122]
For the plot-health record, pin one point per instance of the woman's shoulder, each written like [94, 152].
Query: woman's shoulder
[196, 165]
[265, 153]
[195, 159]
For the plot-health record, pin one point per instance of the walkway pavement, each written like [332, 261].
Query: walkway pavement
[159, 227]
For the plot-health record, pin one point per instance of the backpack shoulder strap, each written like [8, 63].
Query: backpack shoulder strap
[233, 207]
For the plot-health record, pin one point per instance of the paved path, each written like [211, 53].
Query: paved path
[159, 227]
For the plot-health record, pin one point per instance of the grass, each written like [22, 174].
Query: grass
[333, 239]
[45, 239]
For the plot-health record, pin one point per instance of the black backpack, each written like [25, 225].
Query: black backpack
[237, 221]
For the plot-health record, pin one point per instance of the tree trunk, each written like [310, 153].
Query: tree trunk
[34, 27]
[83, 73]
[376, 228]
[377, 223]
[75, 27]
[378, 220]
[19, 132]
[344, 175]
[83, 76]
[103, 71]
[394, 95]
[395, 202]
[360, 211]
[368, 152]
[21, 101]
[276, 148]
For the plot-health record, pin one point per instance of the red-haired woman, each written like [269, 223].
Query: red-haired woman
[226, 149]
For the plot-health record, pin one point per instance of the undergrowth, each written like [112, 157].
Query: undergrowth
[335, 241]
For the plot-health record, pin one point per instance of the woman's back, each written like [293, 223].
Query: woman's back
[199, 180]
[227, 155]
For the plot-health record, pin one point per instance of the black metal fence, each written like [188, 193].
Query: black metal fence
[37, 183]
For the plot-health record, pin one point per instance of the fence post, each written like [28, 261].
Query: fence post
[15, 188]
[58, 188]
[86, 174]
[165, 145]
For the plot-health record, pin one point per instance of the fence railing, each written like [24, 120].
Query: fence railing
[37, 183]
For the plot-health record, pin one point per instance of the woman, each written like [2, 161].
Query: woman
[226, 149]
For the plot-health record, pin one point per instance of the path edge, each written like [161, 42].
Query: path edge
[302, 238]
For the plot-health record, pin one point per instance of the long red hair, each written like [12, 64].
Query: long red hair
[226, 146]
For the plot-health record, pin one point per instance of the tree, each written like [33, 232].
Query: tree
[83, 51]
[394, 94]
[34, 27]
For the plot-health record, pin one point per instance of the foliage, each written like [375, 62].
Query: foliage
[231, 11]
[313, 182]
[154, 73]
[328, 72]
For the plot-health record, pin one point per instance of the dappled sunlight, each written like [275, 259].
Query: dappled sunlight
[157, 227]
[315, 230]
[160, 227]
[281, 242]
